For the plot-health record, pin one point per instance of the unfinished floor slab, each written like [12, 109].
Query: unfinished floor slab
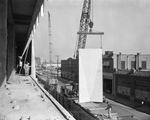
[23, 99]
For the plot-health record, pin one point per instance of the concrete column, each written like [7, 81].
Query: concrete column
[3, 41]
[33, 60]
[119, 61]
[11, 49]
[137, 61]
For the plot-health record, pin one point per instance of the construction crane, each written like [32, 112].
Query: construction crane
[51, 83]
[85, 23]
[50, 41]
[49, 72]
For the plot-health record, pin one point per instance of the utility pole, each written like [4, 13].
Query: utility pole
[57, 64]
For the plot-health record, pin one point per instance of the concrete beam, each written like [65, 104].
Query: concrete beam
[22, 19]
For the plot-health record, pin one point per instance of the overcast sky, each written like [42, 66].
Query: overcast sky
[125, 23]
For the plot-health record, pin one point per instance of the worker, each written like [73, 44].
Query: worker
[19, 66]
[109, 108]
[26, 68]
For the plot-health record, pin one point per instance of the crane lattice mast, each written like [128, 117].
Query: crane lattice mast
[50, 41]
[84, 22]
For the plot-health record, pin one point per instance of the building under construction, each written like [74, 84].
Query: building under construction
[23, 97]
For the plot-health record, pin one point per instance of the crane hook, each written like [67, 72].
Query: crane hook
[91, 25]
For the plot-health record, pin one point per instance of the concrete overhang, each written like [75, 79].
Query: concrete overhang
[22, 14]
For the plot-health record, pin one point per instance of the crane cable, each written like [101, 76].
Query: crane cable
[91, 17]
[92, 10]
[76, 46]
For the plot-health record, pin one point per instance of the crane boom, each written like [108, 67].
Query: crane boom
[84, 22]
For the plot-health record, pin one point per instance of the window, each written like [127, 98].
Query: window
[106, 64]
[122, 64]
[143, 64]
[132, 64]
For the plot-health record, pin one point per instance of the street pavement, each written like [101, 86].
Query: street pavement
[123, 107]
[123, 110]
[134, 105]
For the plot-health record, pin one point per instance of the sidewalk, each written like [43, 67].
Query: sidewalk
[137, 106]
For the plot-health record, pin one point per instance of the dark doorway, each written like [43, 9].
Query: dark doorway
[107, 86]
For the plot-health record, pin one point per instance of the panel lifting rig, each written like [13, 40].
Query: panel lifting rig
[86, 22]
